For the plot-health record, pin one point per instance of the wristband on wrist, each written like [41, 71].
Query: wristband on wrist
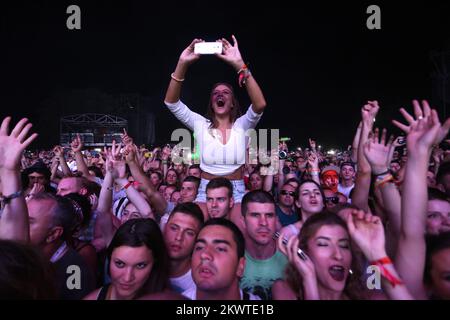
[7, 199]
[383, 173]
[244, 73]
[382, 180]
[175, 78]
[385, 272]
[126, 186]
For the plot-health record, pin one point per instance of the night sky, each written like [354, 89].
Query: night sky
[317, 63]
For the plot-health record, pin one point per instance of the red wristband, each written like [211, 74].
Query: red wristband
[127, 185]
[244, 74]
[385, 260]
[385, 272]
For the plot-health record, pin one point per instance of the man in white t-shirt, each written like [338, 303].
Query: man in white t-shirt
[180, 233]
[347, 179]
[218, 263]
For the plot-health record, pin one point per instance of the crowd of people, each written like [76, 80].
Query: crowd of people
[133, 222]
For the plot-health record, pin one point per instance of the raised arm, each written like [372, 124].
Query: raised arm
[59, 153]
[355, 143]
[14, 223]
[422, 133]
[187, 57]
[379, 153]
[362, 183]
[155, 198]
[77, 147]
[305, 267]
[367, 232]
[313, 161]
[104, 222]
[233, 57]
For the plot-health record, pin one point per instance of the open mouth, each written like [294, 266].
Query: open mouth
[205, 272]
[337, 272]
[220, 102]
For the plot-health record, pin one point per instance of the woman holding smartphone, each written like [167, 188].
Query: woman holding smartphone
[221, 133]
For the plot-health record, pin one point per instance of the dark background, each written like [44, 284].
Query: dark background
[317, 63]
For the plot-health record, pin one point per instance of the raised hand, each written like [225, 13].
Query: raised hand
[231, 54]
[13, 145]
[59, 152]
[378, 152]
[423, 133]
[126, 139]
[77, 144]
[369, 112]
[421, 112]
[37, 188]
[115, 162]
[305, 267]
[368, 233]
[188, 56]
[313, 160]
[130, 153]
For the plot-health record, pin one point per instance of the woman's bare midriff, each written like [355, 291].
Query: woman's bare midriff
[236, 175]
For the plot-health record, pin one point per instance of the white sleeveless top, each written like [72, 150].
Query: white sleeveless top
[215, 157]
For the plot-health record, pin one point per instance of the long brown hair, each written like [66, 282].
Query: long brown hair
[235, 110]
[145, 232]
[354, 288]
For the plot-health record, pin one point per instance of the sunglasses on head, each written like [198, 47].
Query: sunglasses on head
[334, 200]
[285, 193]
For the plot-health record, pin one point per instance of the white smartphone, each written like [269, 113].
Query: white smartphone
[208, 47]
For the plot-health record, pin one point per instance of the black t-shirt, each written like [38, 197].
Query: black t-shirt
[286, 219]
[74, 280]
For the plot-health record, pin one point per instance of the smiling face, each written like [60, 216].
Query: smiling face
[130, 268]
[330, 251]
[222, 100]
[438, 217]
